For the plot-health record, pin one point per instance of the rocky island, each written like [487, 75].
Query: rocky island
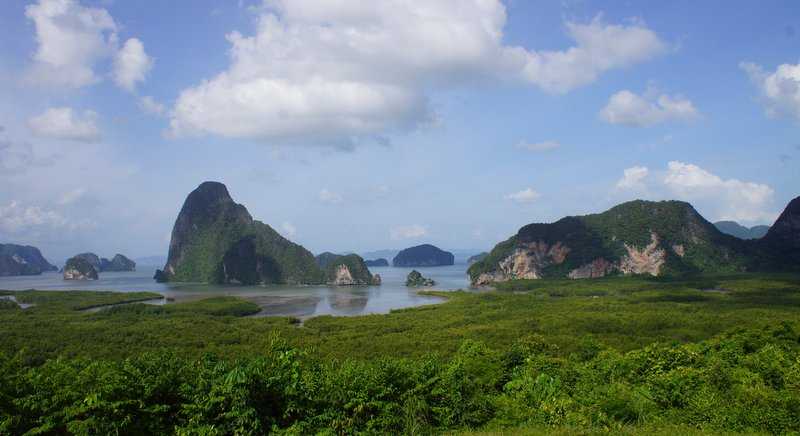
[215, 240]
[377, 262]
[22, 260]
[638, 237]
[423, 255]
[346, 270]
[79, 268]
[101, 264]
[415, 279]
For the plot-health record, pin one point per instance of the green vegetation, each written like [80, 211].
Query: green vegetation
[415, 278]
[330, 263]
[696, 355]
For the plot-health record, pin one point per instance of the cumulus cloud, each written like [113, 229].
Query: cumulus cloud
[539, 146]
[527, 195]
[408, 232]
[334, 70]
[330, 197]
[65, 123]
[725, 199]
[131, 64]
[633, 178]
[780, 90]
[150, 106]
[73, 39]
[630, 109]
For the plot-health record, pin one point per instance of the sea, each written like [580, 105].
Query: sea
[274, 300]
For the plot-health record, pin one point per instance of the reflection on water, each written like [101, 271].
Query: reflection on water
[297, 301]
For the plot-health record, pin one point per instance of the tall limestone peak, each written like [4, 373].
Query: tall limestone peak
[215, 240]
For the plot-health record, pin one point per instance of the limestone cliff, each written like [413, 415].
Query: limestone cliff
[78, 268]
[22, 260]
[639, 237]
[346, 270]
[215, 240]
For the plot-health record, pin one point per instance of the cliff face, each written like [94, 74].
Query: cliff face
[638, 237]
[78, 268]
[423, 255]
[347, 270]
[215, 240]
[16, 260]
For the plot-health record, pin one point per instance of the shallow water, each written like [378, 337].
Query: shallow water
[298, 301]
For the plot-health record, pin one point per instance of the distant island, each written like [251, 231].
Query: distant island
[377, 262]
[22, 260]
[735, 229]
[639, 237]
[415, 279]
[423, 255]
[101, 264]
[215, 240]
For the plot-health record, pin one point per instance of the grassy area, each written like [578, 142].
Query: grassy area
[627, 354]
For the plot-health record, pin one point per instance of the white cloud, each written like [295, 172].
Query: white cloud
[527, 195]
[327, 196]
[16, 218]
[780, 90]
[539, 146]
[150, 106]
[131, 64]
[629, 109]
[600, 47]
[408, 232]
[633, 178]
[722, 199]
[288, 229]
[64, 123]
[321, 70]
[71, 40]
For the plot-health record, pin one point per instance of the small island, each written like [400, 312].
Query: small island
[78, 268]
[377, 262]
[415, 279]
[101, 264]
[22, 260]
[423, 255]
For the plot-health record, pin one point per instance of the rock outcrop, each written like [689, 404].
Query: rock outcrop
[416, 279]
[117, 263]
[22, 260]
[79, 268]
[346, 270]
[215, 240]
[423, 255]
[377, 262]
[638, 237]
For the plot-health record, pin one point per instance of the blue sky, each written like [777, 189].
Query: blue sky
[350, 128]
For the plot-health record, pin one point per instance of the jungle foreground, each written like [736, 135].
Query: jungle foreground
[706, 354]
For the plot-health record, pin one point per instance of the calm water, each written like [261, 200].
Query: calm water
[299, 301]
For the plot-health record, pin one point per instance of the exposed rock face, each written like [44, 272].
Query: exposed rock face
[17, 260]
[92, 259]
[215, 240]
[595, 269]
[638, 237]
[78, 268]
[415, 278]
[377, 262]
[423, 255]
[645, 261]
[345, 270]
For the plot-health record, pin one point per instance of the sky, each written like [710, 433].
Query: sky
[352, 126]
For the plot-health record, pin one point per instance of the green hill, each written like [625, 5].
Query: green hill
[637, 237]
